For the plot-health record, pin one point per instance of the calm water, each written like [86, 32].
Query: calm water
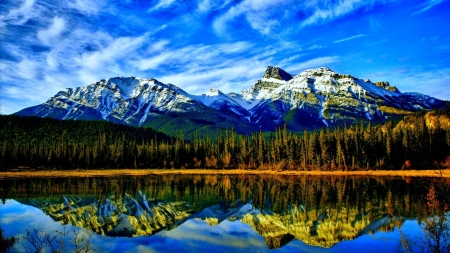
[218, 213]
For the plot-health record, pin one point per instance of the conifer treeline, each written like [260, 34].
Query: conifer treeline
[65, 144]
[277, 193]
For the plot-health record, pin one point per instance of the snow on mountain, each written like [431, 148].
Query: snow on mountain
[216, 99]
[212, 96]
[273, 77]
[314, 98]
[120, 99]
[321, 97]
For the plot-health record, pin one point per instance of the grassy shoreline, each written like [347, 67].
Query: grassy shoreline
[142, 172]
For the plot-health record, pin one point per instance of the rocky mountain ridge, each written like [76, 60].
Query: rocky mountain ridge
[312, 99]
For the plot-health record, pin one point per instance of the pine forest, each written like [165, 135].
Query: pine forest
[419, 141]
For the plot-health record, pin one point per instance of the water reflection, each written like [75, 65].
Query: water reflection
[318, 211]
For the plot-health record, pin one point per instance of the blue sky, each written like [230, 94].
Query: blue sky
[47, 46]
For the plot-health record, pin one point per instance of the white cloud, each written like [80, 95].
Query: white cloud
[290, 61]
[329, 11]
[349, 38]
[20, 15]
[261, 15]
[8, 107]
[118, 48]
[266, 16]
[152, 63]
[427, 5]
[220, 24]
[229, 77]
[50, 35]
[87, 6]
[158, 46]
[211, 5]
[35, 90]
[27, 69]
[315, 46]
[435, 83]
[313, 63]
[190, 55]
[162, 4]
[52, 61]
[111, 60]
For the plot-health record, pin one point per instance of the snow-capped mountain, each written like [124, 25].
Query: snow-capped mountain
[130, 100]
[218, 100]
[314, 98]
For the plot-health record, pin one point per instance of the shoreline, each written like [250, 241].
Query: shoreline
[143, 172]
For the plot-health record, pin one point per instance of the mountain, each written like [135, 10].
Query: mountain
[140, 102]
[320, 97]
[312, 99]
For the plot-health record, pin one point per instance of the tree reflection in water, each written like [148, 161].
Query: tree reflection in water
[435, 226]
[320, 211]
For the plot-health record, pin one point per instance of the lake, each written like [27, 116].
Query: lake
[226, 213]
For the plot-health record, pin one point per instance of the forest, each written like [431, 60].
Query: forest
[419, 141]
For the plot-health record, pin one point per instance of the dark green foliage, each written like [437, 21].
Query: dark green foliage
[298, 120]
[35, 142]
[49, 143]
[204, 122]
[6, 243]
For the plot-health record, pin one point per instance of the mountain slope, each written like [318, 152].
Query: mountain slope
[321, 97]
[138, 102]
[312, 99]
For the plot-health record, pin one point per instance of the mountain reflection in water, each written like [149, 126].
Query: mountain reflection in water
[318, 211]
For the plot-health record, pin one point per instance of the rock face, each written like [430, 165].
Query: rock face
[277, 73]
[312, 99]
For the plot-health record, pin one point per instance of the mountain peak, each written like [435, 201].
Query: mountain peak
[127, 81]
[314, 98]
[317, 72]
[125, 84]
[213, 92]
[277, 73]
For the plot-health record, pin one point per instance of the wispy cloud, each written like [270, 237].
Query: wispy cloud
[49, 45]
[215, 65]
[27, 69]
[19, 15]
[261, 15]
[265, 16]
[211, 5]
[313, 63]
[228, 78]
[436, 82]
[162, 4]
[315, 46]
[108, 60]
[427, 5]
[349, 38]
[324, 12]
[87, 6]
[49, 35]
[199, 54]
[404, 58]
